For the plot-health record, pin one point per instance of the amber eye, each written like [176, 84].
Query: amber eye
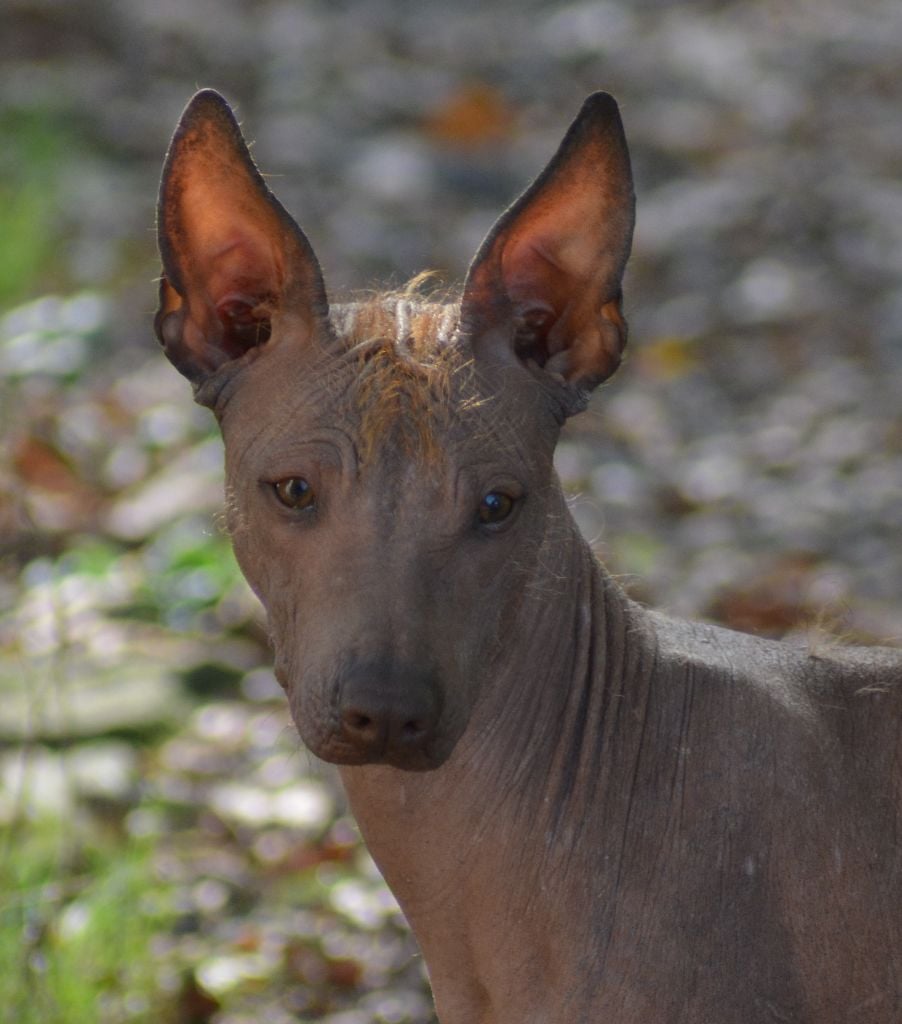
[495, 507]
[295, 492]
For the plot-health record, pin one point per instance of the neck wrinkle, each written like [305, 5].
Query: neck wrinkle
[563, 769]
[520, 721]
[552, 723]
[603, 691]
[576, 766]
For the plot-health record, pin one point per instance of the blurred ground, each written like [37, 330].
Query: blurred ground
[745, 464]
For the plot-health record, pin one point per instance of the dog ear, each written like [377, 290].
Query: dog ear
[545, 286]
[233, 258]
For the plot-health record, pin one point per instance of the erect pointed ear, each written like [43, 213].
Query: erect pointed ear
[233, 258]
[544, 287]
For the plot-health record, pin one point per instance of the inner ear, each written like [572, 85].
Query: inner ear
[243, 280]
[246, 322]
[233, 291]
[533, 323]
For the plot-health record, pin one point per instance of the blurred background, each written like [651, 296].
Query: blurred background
[168, 851]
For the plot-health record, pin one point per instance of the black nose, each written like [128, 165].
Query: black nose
[388, 714]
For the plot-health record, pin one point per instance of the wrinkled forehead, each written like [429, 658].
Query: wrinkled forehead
[394, 375]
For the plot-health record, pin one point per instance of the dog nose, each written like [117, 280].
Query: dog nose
[388, 714]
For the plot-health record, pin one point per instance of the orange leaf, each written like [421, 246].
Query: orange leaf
[471, 117]
[38, 464]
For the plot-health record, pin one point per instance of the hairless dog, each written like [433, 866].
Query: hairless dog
[589, 812]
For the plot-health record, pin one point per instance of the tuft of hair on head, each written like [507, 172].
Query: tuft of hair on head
[407, 362]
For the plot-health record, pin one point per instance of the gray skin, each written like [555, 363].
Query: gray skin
[588, 812]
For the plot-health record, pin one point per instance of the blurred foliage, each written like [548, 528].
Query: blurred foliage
[76, 922]
[37, 150]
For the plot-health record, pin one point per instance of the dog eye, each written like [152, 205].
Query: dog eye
[295, 492]
[495, 507]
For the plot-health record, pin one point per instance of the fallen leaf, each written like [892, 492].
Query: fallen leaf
[475, 115]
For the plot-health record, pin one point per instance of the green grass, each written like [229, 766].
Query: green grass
[33, 162]
[77, 916]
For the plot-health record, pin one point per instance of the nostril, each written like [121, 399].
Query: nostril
[386, 714]
[412, 730]
[362, 727]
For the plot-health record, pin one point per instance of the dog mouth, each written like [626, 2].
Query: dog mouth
[333, 750]
[376, 714]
